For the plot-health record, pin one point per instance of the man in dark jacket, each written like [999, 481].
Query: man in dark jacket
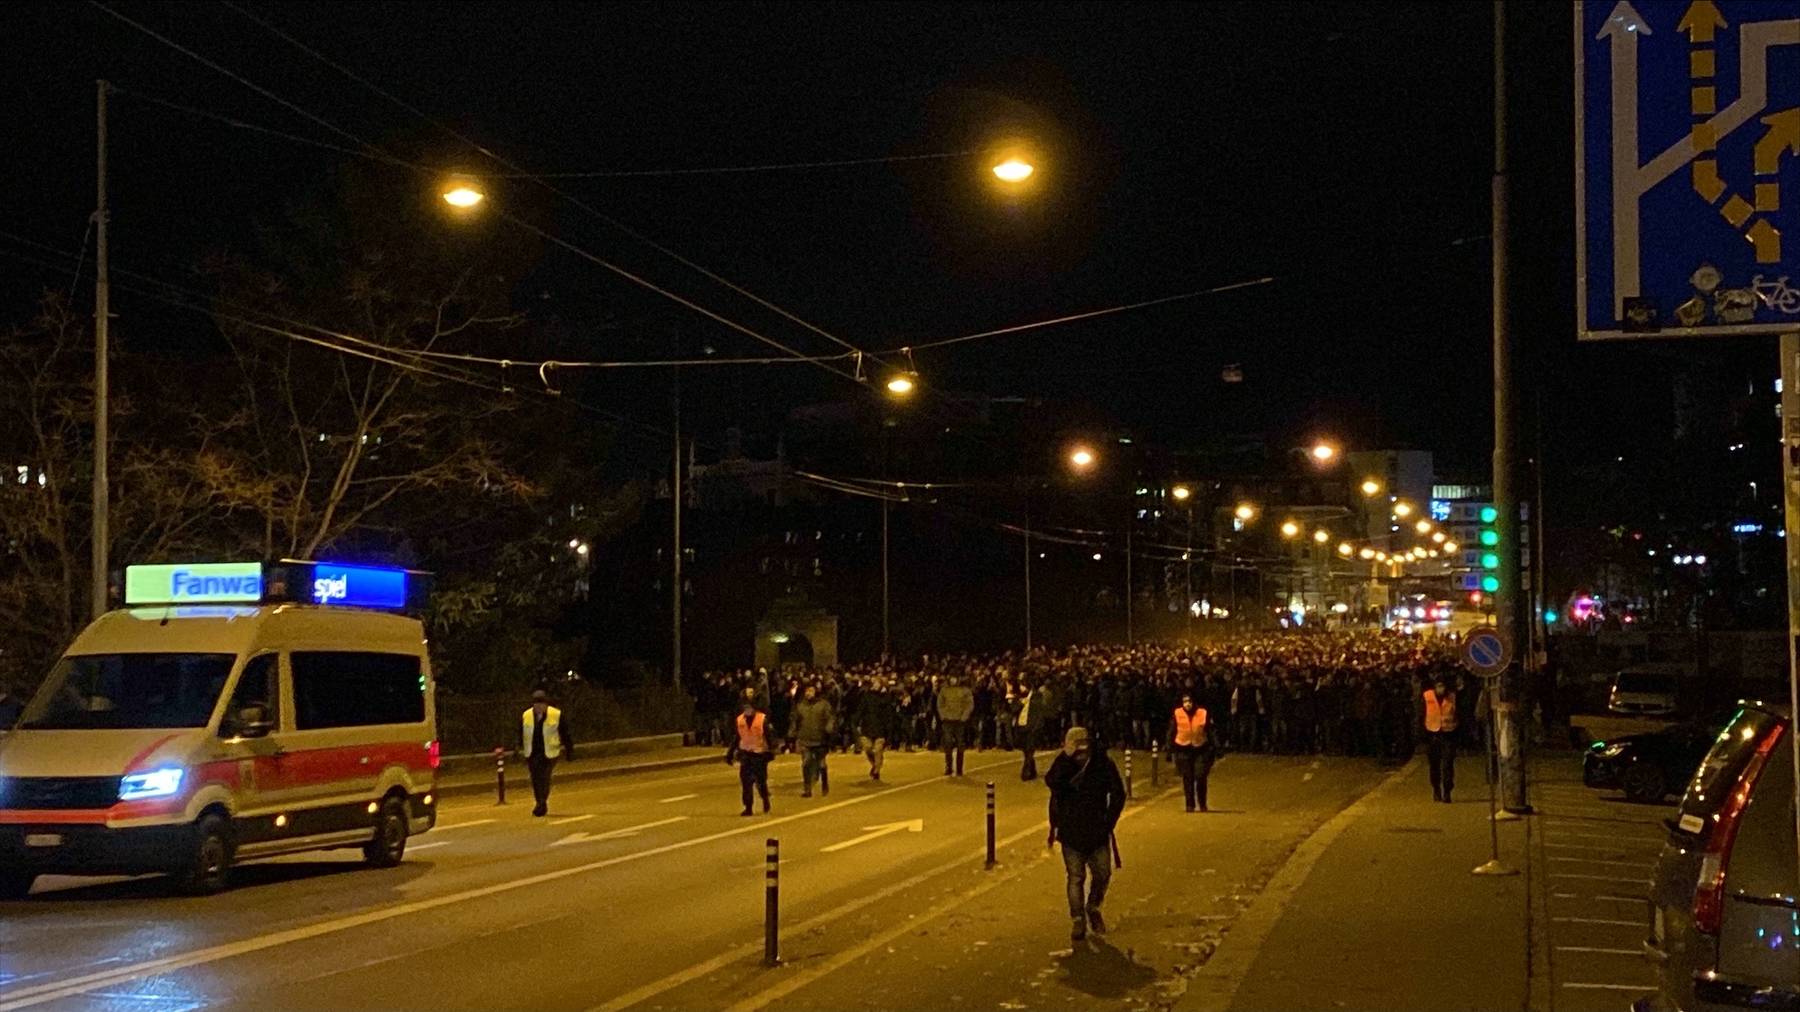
[876, 717]
[1087, 796]
[955, 705]
[810, 730]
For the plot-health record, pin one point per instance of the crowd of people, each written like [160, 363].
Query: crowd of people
[1320, 693]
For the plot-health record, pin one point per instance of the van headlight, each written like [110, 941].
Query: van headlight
[154, 784]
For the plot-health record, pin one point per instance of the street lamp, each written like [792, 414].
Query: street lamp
[1321, 535]
[1449, 546]
[1423, 526]
[1081, 458]
[1245, 512]
[1403, 509]
[1371, 488]
[1366, 554]
[1290, 529]
[902, 384]
[1014, 170]
[462, 192]
[1438, 536]
[1180, 493]
[1344, 549]
[1322, 453]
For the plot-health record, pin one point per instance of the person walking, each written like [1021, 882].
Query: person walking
[544, 740]
[1087, 796]
[810, 732]
[1440, 738]
[750, 750]
[876, 718]
[1190, 739]
[1033, 704]
[955, 705]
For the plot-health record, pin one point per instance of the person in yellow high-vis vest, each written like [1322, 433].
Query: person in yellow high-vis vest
[1440, 738]
[544, 740]
[1190, 742]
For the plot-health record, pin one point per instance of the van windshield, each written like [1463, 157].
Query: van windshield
[128, 691]
[1646, 681]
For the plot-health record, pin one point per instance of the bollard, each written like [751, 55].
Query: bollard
[1155, 769]
[772, 906]
[500, 776]
[990, 823]
[1128, 772]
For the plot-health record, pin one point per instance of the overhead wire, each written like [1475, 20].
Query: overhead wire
[730, 169]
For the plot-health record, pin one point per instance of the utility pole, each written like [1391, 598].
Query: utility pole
[675, 529]
[1509, 613]
[102, 497]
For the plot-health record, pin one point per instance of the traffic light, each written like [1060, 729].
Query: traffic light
[1490, 559]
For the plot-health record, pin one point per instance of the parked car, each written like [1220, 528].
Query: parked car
[1643, 692]
[1722, 903]
[1650, 766]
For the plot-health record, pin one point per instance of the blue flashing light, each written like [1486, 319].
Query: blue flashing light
[358, 586]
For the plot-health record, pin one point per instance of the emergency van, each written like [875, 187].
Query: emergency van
[229, 712]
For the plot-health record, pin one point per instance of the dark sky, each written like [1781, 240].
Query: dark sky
[1342, 149]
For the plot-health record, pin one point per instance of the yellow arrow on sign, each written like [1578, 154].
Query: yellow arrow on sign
[1700, 21]
[1767, 240]
[1783, 136]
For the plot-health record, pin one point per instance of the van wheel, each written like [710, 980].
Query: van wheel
[389, 846]
[209, 862]
[1643, 782]
[15, 884]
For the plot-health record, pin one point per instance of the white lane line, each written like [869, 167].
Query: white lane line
[678, 797]
[426, 846]
[1638, 953]
[40, 994]
[1603, 878]
[1597, 920]
[440, 827]
[572, 818]
[1610, 987]
[1566, 896]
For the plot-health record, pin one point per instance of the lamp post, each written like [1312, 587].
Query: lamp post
[102, 498]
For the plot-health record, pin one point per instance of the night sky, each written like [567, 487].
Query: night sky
[1343, 150]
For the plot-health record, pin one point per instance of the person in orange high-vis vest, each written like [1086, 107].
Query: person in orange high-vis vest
[751, 751]
[1190, 742]
[1440, 738]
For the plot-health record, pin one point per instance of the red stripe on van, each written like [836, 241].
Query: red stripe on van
[131, 765]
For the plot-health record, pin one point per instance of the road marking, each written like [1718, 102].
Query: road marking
[1595, 860]
[1305, 778]
[426, 846]
[678, 797]
[440, 827]
[40, 994]
[572, 818]
[1601, 950]
[1603, 878]
[1597, 920]
[876, 833]
[617, 834]
[805, 977]
[1611, 987]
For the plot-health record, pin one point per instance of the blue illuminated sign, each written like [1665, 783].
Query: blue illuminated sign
[1440, 510]
[1747, 528]
[360, 586]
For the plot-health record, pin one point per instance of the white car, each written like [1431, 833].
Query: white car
[1643, 692]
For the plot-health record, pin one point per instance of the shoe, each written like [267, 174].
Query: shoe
[747, 812]
[1437, 795]
[1078, 931]
[765, 806]
[539, 811]
[875, 775]
[1190, 809]
[1097, 922]
[948, 773]
[1447, 800]
[806, 794]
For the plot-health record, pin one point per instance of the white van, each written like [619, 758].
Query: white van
[184, 739]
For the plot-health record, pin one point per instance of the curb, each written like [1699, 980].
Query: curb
[517, 779]
[1217, 983]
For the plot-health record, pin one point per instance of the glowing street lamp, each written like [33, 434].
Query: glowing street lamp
[1449, 546]
[1321, 535]
[1371, 488]
[1423, 526]
[1245, 512]
[1345, 549]
[902, 384]
[1366, 554]
[462, 192]
[1014, 170]
[1290, 529]
[1322, 453]
[1403, 509]
[1438, 536]
[1082, 458]
[1180, 493]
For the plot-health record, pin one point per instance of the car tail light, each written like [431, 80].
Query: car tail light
[432, 752]
[1709, 893]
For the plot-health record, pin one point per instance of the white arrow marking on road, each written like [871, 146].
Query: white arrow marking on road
[572, 818]
[678, 797]
[617, 834]
[877, 832]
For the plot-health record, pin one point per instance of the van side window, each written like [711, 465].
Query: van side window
[356, 689]
[259, 686]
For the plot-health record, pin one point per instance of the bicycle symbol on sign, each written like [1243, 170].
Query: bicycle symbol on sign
[1776, 294]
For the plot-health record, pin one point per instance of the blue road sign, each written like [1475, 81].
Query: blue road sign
[1687, 148]
[1484, 652]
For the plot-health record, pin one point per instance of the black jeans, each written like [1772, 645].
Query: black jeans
[1195, 765]
[1440, 747]
[540, 768]
[753, 774]
[955, 739]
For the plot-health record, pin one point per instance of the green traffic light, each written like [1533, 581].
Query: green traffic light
[1490, 560]
[1491, 584]
[1489, 514]
[1550, 617]
[1490, 538]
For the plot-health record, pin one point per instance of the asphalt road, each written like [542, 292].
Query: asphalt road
[648, 890]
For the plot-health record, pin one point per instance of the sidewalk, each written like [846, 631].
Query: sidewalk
[1378, 910]
[618, 759]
